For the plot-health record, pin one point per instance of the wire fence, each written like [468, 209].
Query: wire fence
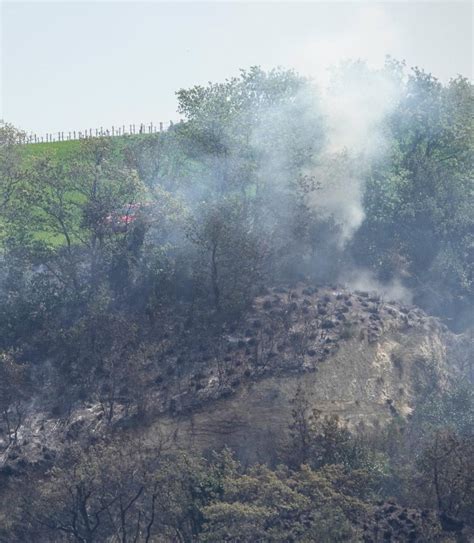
[114, 131]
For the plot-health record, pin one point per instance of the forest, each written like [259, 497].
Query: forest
[123, 260]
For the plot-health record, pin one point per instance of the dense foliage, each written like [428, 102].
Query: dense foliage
[329, 486]
[237, 185]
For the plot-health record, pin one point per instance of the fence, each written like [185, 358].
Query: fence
[115, 131]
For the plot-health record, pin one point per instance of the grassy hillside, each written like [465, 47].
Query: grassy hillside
[58, 160]
[65, 150]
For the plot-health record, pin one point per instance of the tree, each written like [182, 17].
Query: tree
[59, 218]
[319, 441]
[229, 255]
[11, 171]
[279, 505]
[419, 202]
[446, 466]
[119, 491]
[252, 139]
[13, 394]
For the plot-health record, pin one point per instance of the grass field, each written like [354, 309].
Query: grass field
[63, 152]
[66, 149]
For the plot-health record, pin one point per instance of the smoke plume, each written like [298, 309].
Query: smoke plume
[354, 106]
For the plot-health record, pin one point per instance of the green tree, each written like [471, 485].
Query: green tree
[419, 203]
[229, 259]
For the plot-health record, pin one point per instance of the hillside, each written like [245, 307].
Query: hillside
[67, 149]
[253, 327]
[321, 350]
[351, 354]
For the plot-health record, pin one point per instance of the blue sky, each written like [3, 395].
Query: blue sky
[75, 65]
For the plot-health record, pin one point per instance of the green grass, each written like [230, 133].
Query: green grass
[62, 152]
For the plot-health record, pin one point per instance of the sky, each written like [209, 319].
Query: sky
[78, 65]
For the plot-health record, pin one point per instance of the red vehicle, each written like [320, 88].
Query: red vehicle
[120, 220]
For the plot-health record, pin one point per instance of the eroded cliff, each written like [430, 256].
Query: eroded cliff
[350, 353]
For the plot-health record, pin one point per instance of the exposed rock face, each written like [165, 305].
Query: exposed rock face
[351, 354]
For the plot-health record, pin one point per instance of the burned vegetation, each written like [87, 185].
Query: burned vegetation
[287, 330]
[198, 341]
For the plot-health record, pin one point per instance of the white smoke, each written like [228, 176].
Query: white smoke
[367, 32]
[366, 281]
[341, 127]
[354, 106]
[341, 130]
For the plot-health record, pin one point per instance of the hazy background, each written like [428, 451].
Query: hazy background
[76, 65]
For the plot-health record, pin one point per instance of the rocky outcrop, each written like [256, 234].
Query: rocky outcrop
[351, 354]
